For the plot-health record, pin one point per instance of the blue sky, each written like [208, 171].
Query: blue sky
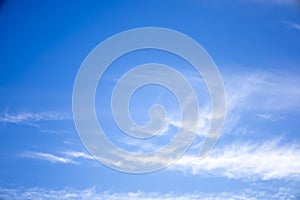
[256, 46]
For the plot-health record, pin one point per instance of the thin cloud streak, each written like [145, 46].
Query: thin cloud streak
[48, 157]
[67, 157]
[30, 117]
[292, 25]
[78, 154]
[263, 94]
[265, 161]
[262, 91]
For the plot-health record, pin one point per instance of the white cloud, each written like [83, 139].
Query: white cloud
[264, 94]
[64, 157]
[296, 26]
[292, 25]
[47, 157]
[92, 193]
[141, 146]
[78, 154]
[264, 116]
[30, 117]
[262, 91]
[265, 161]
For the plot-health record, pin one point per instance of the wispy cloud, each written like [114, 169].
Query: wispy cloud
[30, 117]
[77, 154]
[92, 193]
[261, 93]
[40, 120]
[296, 26]
[47, 157]
[292, 25]
[67, 157]
[264, 116]
[264, 95]
[265, 161]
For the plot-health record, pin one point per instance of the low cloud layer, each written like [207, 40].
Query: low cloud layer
[92, 193]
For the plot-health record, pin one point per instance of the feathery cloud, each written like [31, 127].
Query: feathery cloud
[265, 161]
[292, 25]
[30, 117]
[47, 157]
[66, 157]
